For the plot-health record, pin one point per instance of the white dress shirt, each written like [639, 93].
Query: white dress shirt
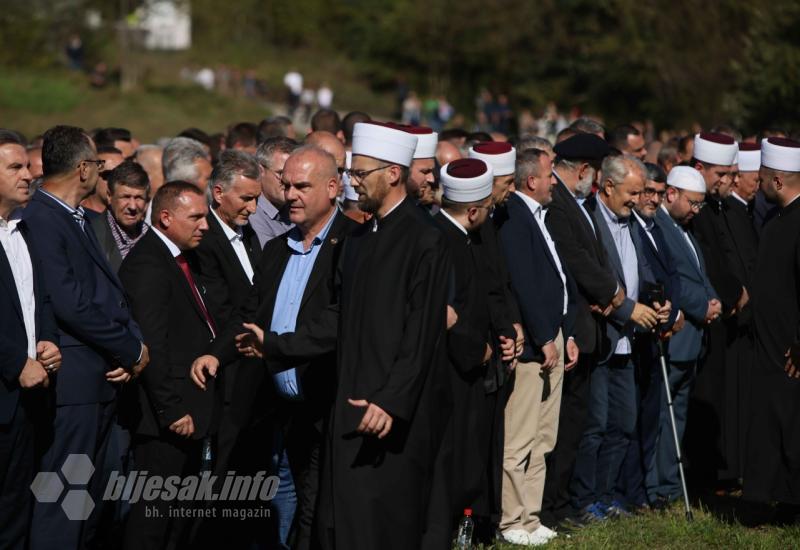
[21, 267]
[235, 238]
[647, 225]
[539, 213]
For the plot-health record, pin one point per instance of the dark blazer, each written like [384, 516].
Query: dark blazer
[175, 332]
[660, 262]
[696, 290]
[220, 271]
[619, 321]
[536, 281]
[744, 253]
[96, 331]
[585, 258]
[317, 376]
[13, 337]
[106, 241]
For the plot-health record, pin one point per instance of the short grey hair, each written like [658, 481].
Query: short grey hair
[616, 167]
[232, 163]
[179, 158]
[535, 142]
[588, 126]
[527, 165]
[274, 145]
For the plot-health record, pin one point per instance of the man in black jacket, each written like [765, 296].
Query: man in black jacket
[171, 415]
[292, 285]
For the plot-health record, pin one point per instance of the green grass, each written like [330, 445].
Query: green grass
[654, 531]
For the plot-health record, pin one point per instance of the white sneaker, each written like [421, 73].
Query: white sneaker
[516, 536]
[544, 532]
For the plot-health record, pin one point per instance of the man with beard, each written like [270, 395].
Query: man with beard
[575, 169]
[773, 459]
[698, 303]
[714, 157]
[420, 175]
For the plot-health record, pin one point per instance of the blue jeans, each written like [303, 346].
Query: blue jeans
[285, 502]
[664, 480]
[609, 427]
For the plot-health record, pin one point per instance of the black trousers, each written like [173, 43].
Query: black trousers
[155, 524]
[571, 422]
[17, 468]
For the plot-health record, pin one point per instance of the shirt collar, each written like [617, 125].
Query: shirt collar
[454, 221]
[268, 207]
[71, 210]
[13, 220]
[294, 239]
[230, 234]
[536, 208]
[173, 248]
[738, 198]
[647, 223]
[377, 221]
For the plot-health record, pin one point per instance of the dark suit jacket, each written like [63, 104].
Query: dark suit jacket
[660, 262]
[13, 337]
[317, 376]
[696, 290]
[175, 332]
[97, 333]
[106, 241]
[585, 258]
[220, 271]
[536, 281]
[744, 253]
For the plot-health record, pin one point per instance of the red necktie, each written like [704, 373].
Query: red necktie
[184, 265]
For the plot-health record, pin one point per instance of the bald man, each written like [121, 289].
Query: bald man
[446, 152]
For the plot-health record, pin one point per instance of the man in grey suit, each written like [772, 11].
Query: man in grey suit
[612, 405]
[700, 305]
[122, 224]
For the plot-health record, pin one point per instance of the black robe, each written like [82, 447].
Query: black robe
[772, 471]
[740, 343]
[705, 445]
[390, 328]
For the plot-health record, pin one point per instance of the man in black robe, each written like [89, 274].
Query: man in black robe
[772, 470]
[708, 429]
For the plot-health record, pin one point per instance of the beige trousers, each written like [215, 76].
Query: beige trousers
[531, 426]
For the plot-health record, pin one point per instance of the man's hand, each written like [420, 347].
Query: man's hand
[663, 311]
[119, 375]
[139, 367]
[714, 310]
[519, 342]
[251, 344]
[743, 300]
[452, 317]
[572, 354]
[48, 354]
[507, 349]
[644, 316]
[183, 426]
[680, 322]
[375, 421]
[33, 374]
[605, 312]
[550, 356]
[618, 298]
[487, 355]
[792, 367]
[202, 365]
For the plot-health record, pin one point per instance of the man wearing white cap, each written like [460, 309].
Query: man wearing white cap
[714, 157]
[546, 296]
[467, 188]
[773, 461]
[388, 329]
[686, 191]
[420, 175]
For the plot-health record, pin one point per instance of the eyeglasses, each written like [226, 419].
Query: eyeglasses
[696, 205]
[651, 192]
[97, 162]
[359, 175]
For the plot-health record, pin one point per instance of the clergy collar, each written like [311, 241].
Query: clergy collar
[738, 198]
[230, 233]
[791, 204]
[377, 222]
[454, 221]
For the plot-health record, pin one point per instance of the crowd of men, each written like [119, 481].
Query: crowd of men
[403, 327]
